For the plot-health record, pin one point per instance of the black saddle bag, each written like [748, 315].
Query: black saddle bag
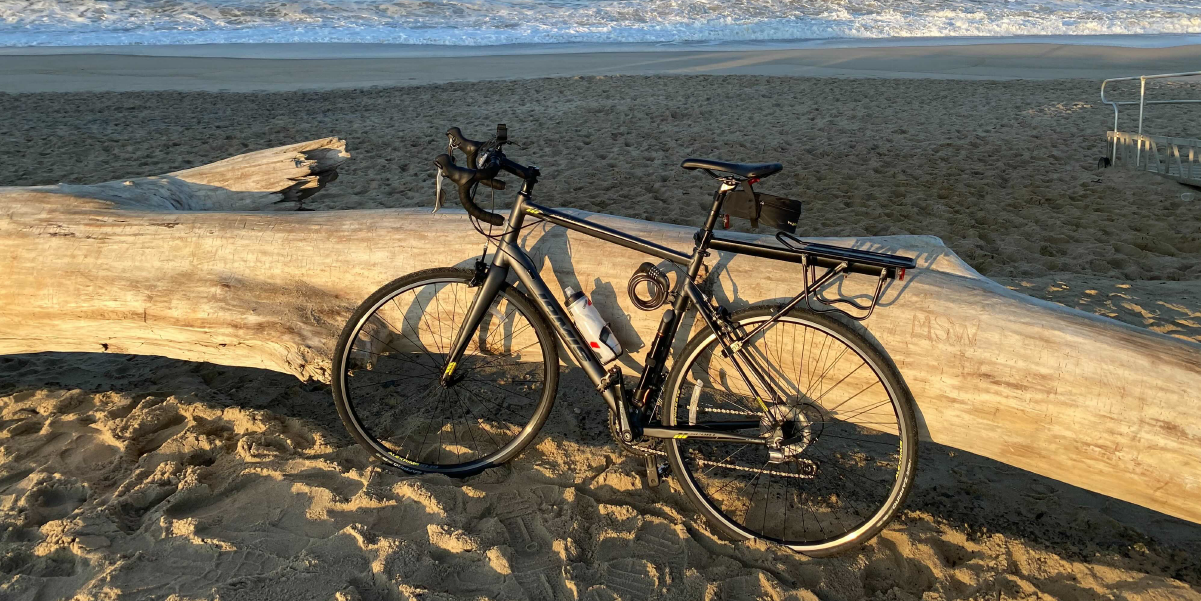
[773, 211]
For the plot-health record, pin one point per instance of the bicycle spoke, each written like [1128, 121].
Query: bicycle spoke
[366, 386]
[402, 356]
[840, 381]
[416, 343]
[505, 391]
[865, 389]
[477, 419]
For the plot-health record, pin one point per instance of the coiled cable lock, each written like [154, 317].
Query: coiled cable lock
[657, 286]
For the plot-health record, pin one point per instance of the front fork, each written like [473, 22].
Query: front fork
[510, 257]
[493, 282]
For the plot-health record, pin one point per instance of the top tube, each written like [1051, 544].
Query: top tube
[607, 234]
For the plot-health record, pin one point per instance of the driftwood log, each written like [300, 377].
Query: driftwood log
[177, 266]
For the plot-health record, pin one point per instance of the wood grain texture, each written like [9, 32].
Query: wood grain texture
[1072, 396]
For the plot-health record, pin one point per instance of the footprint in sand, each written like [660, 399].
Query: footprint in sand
[952, 555]
[13, 477]
[894, 566]
[535, 567]
[475, 579]
[664, 546]
[656, 561]
[130, 511]
[752, 586]
[632, 578]
[343, 487]
[23, 427]
[51, 498]
[259, 446]
[60, 563]
[151, 424]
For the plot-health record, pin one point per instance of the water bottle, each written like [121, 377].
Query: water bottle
[600, 337]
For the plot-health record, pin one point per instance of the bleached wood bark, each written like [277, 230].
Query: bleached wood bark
[1075, 397]
[273, 179]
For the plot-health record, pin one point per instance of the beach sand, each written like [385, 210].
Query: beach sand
[141, 477]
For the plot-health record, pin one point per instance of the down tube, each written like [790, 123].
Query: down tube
[568, 333]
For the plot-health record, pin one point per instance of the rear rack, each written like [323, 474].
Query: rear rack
[836, 260]
[820, 255]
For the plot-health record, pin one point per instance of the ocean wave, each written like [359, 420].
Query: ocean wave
[493, 22]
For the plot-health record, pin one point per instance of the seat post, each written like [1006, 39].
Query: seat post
[727, 184]
[706, 233]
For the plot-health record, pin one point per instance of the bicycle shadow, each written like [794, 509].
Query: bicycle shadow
[960, 504]
[553, 247]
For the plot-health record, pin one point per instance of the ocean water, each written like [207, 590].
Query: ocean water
[492, 22]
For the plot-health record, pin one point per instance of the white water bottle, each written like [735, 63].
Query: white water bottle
[600, 337]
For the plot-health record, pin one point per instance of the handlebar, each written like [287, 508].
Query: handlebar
[484, 161]
[464, 178]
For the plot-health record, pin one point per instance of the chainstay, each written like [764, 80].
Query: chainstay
[645, 450]
[754, 470]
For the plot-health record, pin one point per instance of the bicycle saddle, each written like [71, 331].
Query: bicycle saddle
[743, 170]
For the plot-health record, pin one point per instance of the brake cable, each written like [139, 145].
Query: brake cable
[489, 237]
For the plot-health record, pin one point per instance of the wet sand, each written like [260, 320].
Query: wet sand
[274, 67]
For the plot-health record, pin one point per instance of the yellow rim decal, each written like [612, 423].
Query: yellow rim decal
[402, 459]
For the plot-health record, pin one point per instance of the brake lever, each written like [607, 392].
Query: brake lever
[439, 194]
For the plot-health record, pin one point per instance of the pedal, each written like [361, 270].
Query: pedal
[652, 470]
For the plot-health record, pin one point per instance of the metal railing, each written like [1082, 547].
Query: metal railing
[1142, 103]
[1180, 161]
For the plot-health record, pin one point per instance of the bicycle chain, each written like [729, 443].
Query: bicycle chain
[644, 451]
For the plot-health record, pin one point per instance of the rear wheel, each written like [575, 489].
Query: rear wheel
[392, 352]
[846, 436]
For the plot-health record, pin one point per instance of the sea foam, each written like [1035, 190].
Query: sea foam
[493, 22]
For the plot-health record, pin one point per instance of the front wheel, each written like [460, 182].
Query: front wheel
[392, 353]
[843, 438]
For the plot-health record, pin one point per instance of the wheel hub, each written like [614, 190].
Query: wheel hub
[789, 430]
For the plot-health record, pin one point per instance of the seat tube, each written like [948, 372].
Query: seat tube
[706, 233]
[669, 324]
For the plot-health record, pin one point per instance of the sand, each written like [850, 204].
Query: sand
[141, 477]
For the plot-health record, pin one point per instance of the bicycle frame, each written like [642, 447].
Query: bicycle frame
[511, 257]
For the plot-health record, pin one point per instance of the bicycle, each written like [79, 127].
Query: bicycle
[470, 376]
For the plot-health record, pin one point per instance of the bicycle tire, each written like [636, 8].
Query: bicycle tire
[830, 467]
[420, 366]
